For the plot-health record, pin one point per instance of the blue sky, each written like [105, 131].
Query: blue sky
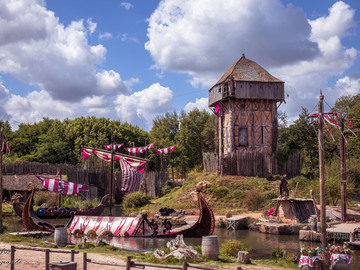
[133, 60]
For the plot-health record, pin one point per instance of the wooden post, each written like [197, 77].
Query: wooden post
[342, 171]
[322, 171]
[111, 173]
[47, 259]
[12, 257]
[220, 143]
[184, 266]
[128, 263]
[85, 261]
[72, 258]
[1, 176]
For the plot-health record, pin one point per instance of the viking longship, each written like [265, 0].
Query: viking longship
[141, 227]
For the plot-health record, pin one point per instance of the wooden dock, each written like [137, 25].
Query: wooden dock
[237, 222]
[35, 234]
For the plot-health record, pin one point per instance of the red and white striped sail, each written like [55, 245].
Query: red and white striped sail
[165, 150]
[61, 186]
[130, 177]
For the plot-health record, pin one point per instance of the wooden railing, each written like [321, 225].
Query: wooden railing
[141, 265]
[47, 254]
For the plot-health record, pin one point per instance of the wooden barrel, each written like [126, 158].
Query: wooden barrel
[340, 265]
[313, 225]
[210, 247]
[61, 236]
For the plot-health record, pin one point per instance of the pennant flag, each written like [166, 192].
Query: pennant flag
[136, 150]
[61, 186]
[150, 146]
[165, 150]
[130, 177]
[8, 148]
[217, 108]
[136, 164]
[115, 146]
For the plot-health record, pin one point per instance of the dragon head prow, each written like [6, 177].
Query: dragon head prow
[202, 186]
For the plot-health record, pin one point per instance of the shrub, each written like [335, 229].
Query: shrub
[49, 198]
[135, 199]
[254, 199]
[278, 252]
[219, 191]
[231, 248]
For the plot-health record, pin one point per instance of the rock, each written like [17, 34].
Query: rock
[178, 249]
[243, 257]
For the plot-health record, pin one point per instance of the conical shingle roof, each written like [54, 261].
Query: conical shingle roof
[247, 70]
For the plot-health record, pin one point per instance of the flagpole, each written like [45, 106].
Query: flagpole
[1, 176]
[111, 173]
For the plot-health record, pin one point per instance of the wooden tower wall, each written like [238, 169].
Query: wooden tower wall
[250, 125]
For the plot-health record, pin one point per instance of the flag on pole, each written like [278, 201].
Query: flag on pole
[61, 186]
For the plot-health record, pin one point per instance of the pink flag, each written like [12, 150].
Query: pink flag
[217, 108]
[136, 150]
[165, 150]
[60, 186]
[8, 148]
[150, 146]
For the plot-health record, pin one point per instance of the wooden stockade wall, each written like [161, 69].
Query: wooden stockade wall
[152, 182]
[251, 163]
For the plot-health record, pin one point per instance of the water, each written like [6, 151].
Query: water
[260, 244]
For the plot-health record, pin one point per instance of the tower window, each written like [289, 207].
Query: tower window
[243, 136]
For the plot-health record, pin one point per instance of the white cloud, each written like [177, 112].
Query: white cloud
[4, 93]
[200, 103]
[204, 38]
[349, 85]
[141, 107]
[126, 5]
[304, 79]
[36, 49]
[91, 26]
[126, 37]
[105, 36]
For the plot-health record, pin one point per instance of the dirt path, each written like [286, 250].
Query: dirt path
[29, 260]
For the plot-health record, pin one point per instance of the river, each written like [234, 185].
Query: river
[260, 244]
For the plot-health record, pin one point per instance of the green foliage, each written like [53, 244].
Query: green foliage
[50, 199]
[231, 248]
[278, 252]
[135, 199]
[218, 191]
[78, 202]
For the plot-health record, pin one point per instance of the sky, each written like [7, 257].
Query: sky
[134, 60]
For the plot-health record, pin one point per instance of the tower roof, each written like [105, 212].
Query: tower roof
[247, 70]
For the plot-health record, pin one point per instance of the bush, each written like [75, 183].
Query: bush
[219, 192]
[49, 198]
[278, 252]
[231, 248]
[254, 199]
[135, 199]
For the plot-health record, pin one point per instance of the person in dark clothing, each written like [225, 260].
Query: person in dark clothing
[166, 226]
[284, 187]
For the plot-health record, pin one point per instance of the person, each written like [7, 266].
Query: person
[284, 187]
[154, 226]
[166, 226]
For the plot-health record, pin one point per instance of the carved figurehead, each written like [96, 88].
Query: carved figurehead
[202, 186]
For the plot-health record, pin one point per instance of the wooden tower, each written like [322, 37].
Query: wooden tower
[245, 100]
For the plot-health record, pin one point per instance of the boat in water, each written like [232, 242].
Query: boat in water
[140, 226]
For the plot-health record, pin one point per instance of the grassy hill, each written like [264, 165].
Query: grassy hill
[226, 194]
